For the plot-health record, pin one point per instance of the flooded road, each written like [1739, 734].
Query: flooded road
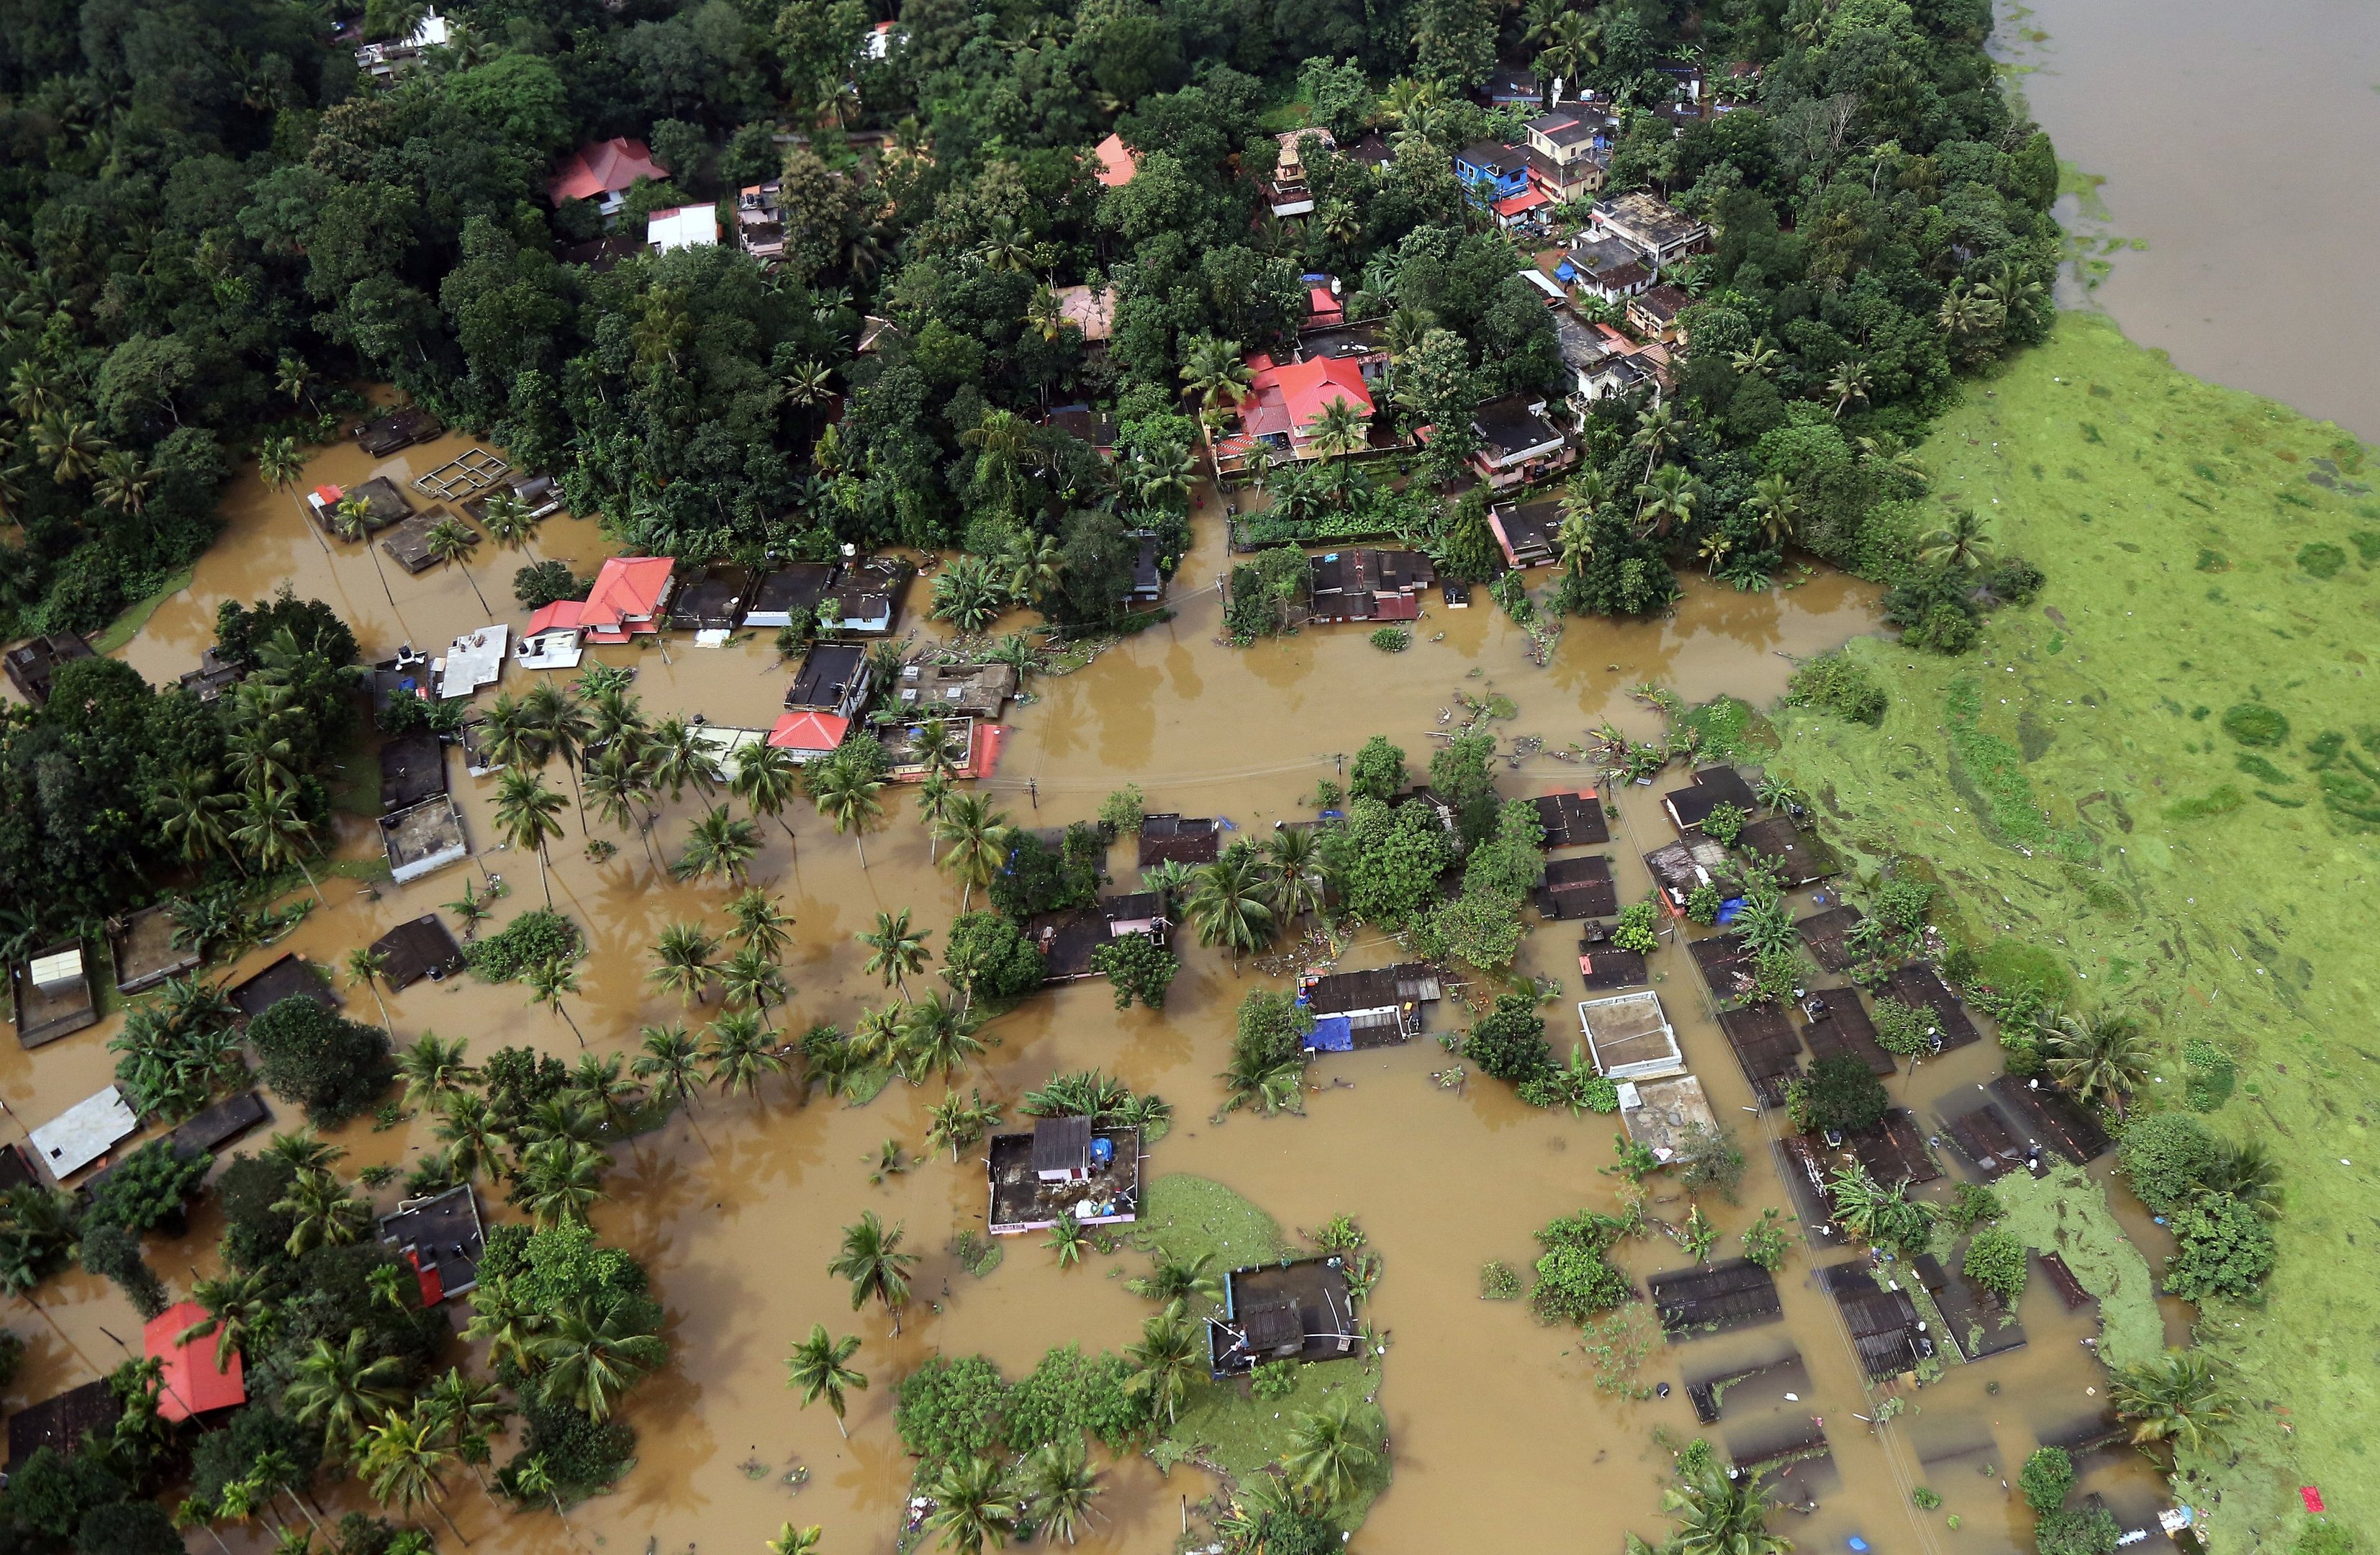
[2237, 145]
[1499, 1440]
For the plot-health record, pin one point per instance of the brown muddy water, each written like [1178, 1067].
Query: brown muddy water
[1499, 1440]
[2237, 145]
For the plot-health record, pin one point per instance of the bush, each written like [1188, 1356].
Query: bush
[1273, 1380]
[2090, 1531]
[1575, 1280]
[1838, 1094]
[1067, 1394]
[331, 1067]
[1902, 1029]
[1499, 1280]
[1138, 967]
[52, 1493]
[583, 1456]
[1124, 810]
[2015, 582]
[1379, 772]
[2213, 1071]
[1970, 1206]
[127, 1528]
[539, 937]
[1509, 1043]
[254, 1231]
[2166, 1156]
[1901, 904]
[541, 583]
[948, 1409]
[2253, 723]
[1996, 1260]
[2045, 1479]
[1703, 904]
[152, 1187]
[1712, 1161]
[996, 953]
[113, 1254]
[1838, 684]
[1725, 824]
[2226, 1249]
[1392, 640]
[1636, 927]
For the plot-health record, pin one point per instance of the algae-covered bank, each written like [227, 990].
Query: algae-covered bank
[2166, 775]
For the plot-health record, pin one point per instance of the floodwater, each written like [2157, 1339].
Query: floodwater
[2236, 142]
[1499, 1440]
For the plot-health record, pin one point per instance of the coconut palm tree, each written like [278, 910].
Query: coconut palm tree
[1057, 1484]
[1218, 377]
[979, 838]
[190, 816]
[1172, 1279]
[1298, 875]
[404, 1464]
[322, 1212]
[873, 1260]
[591, 1357]
[343, 1389]
[877, 1037]
[934, 797]
[471, 1142]
[366, 968]
[718, 843]
[679, 757]
[2247, 1171]
[972, 1505]
[937, 1035]
[239, 1307]
[1171, 1354]
[124, 483]
[1665, 500]
[511, 522]
[1718, 1515]
[1226, 904]
[682, 962]
[548, 982]
[671, 1066]
[790, 1540]
[434, 1070]
[2175, 1398]
[817, 1367]
[1959, 545]
[846, 795]
[562, 727]
[895, 949]
[1332, 1448]
[350, 519]
[766, 779]
[752, 977]
[2099, 1058]
[525, 813]
[1269, 1085]
[508, 734]
[276, 832]
[619, 786]
[739, 1054]
[467, 1413]
[561, 1181]
[451, 539]
[1034, 565]
[1656, 432]
[1774, 507]
[1850, 382]
[958, 1124]
[936, 748]
[1339, 430]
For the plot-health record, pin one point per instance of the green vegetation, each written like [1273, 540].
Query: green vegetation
[2162, 881]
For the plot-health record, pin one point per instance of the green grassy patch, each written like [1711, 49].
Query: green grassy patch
[2067, 1213]
[2215, 905]
[127, 625]
[1188, 1216]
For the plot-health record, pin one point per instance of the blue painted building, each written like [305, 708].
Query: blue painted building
[1495, 170]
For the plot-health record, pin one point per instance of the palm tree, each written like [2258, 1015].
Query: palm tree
[1656, 432]
[619, 785]
[1772, 503]
[682, 962]
[956, 1123]
[1170, 1355]
[1331, 1449]
[469, 1412]
[752, 977]
[597, 1082]
[276, 830]
[1058, 1484]
[1296, 874]
[72, 445]
[1850, 382]
[718, 843]
[1339, 430]
[678, 757]
[936, 1033]
[817, 1367]
[350, 518]
[304, 1151]
[1172, 1279]
[2247, 1171]
[979, 838]
[511, 523]
[1959, 544]
[873, 1262]
[561, 1181]
[404, 1463]
[934, 797]
[508, 735]
[807, 382]
[1034, 565]
[548, 982]
[1218, 377]
[1571, 43]
[434, 1072]
[2175, 1398]
[343, 1389]
[1760, 360]
[790, 1540]
[562, 727]
[759, 922]
[239, 1307]
[1269, 1085]
[876, 1040]
[934, 747]
[526, 811]
[766, 779]
[451, 539]
[365, 967]
[470, 1141]
[894, 949]
[1226, 904]
[190, 816]
[590, 1358]
[740, 1054]
[322, 1212]
[846, 795]
[1716, 1515]
[972, 1505]
[670, 1066]
[1665, 500]
[124, 483]
[2099, 1058]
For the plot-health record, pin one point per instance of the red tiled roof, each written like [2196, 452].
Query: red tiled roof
[1117, 165]
[628, 588]
[561, 614]
[809, 731]
[1528, 200]
[602, 167]
[191, 1383]
[1308, 388]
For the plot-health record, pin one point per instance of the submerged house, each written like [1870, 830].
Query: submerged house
[789, 594]
[1529, 534]
[1065, 1167]
[1372, 1008]
[440, 1237]
[31, 665]
[956, 690]
[52, 994]
[1712, 788]
[423, 838]
[1183, 839]
[1629, 1037]
[1369, 585]
[628, 599]
[1301, 1310]
[806, 735]
[835, 677]
[711, 602]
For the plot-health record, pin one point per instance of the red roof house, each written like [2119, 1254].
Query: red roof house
[809, 735]
[1117, 165]
[1284, 402]
[603, 171]
[627, 598]
[1323, 310]
[193, 1383]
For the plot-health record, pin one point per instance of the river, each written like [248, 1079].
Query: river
[2237, 143]
[1499, 1440]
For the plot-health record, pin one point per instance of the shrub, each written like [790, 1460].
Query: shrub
[1703, 904]
[1839, 1094]
[2253, 723]
[1724, 824]
[331, 1067]
[1066, 1394]
[2322, 559]
[2225, 1249]
[539, 937]
[2015, 582]
[1499, 1280]
[1995, 1261]
[1711, 1160]
[1379, 770]
[52, 1493]
[951, 1409]
[152, 1187]
[2090, 1531]
[2045, 1479]
[1636, 927]
[1575, 1280]
[1273, 1380]
[1509, 1043]
[2166, 1156]
[1124, 810]
[541, 583]
[1901, 904]
[1903, 1029]
[1138, 967]
[994, 952]
[1392, 640]
[2213, 1071]
[1765, 1242]
[1838, 684]
[113, 1254]
[583, 1456]
[1970, 1206]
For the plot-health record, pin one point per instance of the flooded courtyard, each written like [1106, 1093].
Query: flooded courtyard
[1499, 1437]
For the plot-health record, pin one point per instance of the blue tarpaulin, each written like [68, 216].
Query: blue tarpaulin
[1732, 910]
[1331, 1034]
